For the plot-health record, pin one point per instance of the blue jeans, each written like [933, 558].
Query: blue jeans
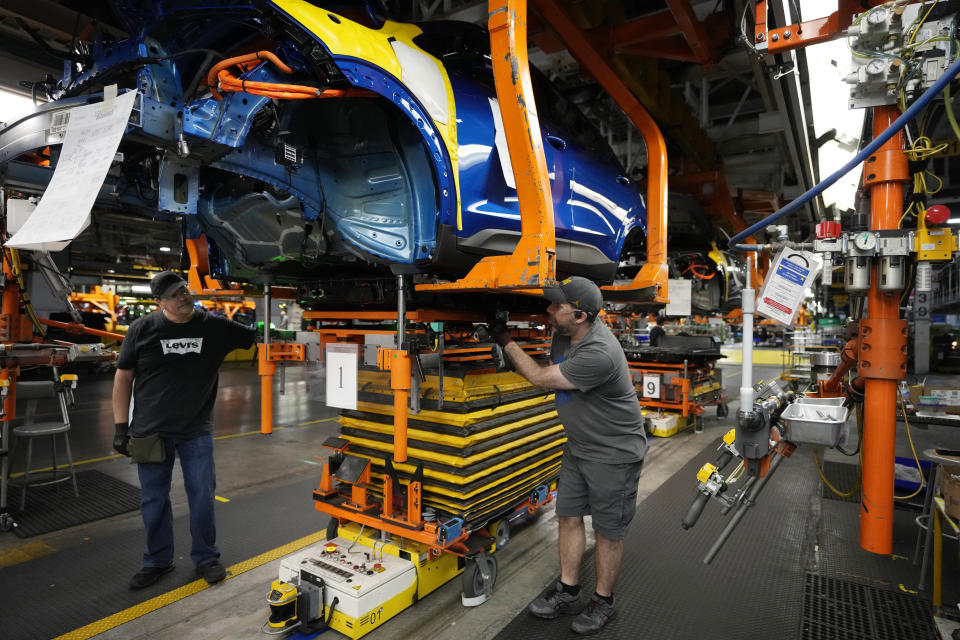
[200, 481]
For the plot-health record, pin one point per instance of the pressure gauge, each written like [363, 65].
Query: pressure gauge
[865, 241]
[876, 67]
[877, 16]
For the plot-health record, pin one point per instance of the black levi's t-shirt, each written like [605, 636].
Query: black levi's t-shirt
[176, 370]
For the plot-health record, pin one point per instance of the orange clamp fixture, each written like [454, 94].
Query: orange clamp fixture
[533, 262]
[650, 284]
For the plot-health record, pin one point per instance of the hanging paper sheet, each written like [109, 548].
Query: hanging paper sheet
[89, 147]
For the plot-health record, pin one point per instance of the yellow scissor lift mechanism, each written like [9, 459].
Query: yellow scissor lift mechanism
[486, 465]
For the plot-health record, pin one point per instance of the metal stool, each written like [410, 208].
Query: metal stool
[925, 532]
[34, 393]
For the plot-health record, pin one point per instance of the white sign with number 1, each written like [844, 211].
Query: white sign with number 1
[342, 361]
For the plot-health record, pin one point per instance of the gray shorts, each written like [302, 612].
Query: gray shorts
[608, 492]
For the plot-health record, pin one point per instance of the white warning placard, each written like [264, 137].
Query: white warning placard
[93, 134]
[342, 360]
[681, 297]
[790, 277]
[651, 385]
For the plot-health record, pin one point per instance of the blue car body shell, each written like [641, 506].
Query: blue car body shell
[418, 176]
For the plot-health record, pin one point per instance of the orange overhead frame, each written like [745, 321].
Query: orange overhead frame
[805, 33]
[650, 284]
[694, 31]
[672, 33]
[532, 264]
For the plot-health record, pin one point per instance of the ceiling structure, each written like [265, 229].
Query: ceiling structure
[737, 125]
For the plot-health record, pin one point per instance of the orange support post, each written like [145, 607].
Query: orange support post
[882, 346]
[266, 368]
[533, 262]
[267, 357]
[414, 504]
[398, 362]
[650, 284]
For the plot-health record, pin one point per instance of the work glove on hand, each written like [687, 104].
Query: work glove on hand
[499, 333]
[120, 438]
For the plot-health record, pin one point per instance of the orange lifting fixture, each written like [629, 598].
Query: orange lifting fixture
[650, 284]
[532, 264]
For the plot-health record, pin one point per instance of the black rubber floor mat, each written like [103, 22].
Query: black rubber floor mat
[753, 589]
[834, 608]
[54, 507]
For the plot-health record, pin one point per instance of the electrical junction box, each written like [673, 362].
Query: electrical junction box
[935, 244]
[370, 586]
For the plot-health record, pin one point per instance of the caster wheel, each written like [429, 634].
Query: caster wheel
[478, 578]
[501, 533]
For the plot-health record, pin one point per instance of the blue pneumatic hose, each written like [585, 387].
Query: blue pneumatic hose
[898, 124]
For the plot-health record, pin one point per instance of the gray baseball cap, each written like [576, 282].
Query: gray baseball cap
[166, 283]
[579, 293]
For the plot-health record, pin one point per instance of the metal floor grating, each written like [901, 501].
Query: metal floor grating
[834, 609]
[843, 477]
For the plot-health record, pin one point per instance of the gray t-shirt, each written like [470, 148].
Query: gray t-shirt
[601, 416]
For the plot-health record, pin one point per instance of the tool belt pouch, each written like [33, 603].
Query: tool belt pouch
[147, 449]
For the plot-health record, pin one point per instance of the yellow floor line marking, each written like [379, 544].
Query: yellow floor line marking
[246, 433]
[151, 605]
[24, 553]
[219, 499]
[66, 469]
[303, 424]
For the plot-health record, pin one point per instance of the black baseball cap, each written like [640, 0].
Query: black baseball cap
[166, 283]
[579, 293]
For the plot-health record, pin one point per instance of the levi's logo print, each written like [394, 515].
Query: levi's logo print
[181, 346]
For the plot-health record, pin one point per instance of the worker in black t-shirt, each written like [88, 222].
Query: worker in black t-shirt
[169, 363]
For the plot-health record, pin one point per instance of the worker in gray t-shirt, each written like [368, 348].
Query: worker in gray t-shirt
[597, 405]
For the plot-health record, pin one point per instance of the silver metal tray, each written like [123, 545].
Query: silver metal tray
[809, 423]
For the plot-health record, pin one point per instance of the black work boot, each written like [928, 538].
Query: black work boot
[148, 576]
[212, 572]
[555, 601]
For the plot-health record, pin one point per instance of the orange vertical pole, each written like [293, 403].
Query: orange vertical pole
[265, 368]
[400, 383]
[882, 343]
